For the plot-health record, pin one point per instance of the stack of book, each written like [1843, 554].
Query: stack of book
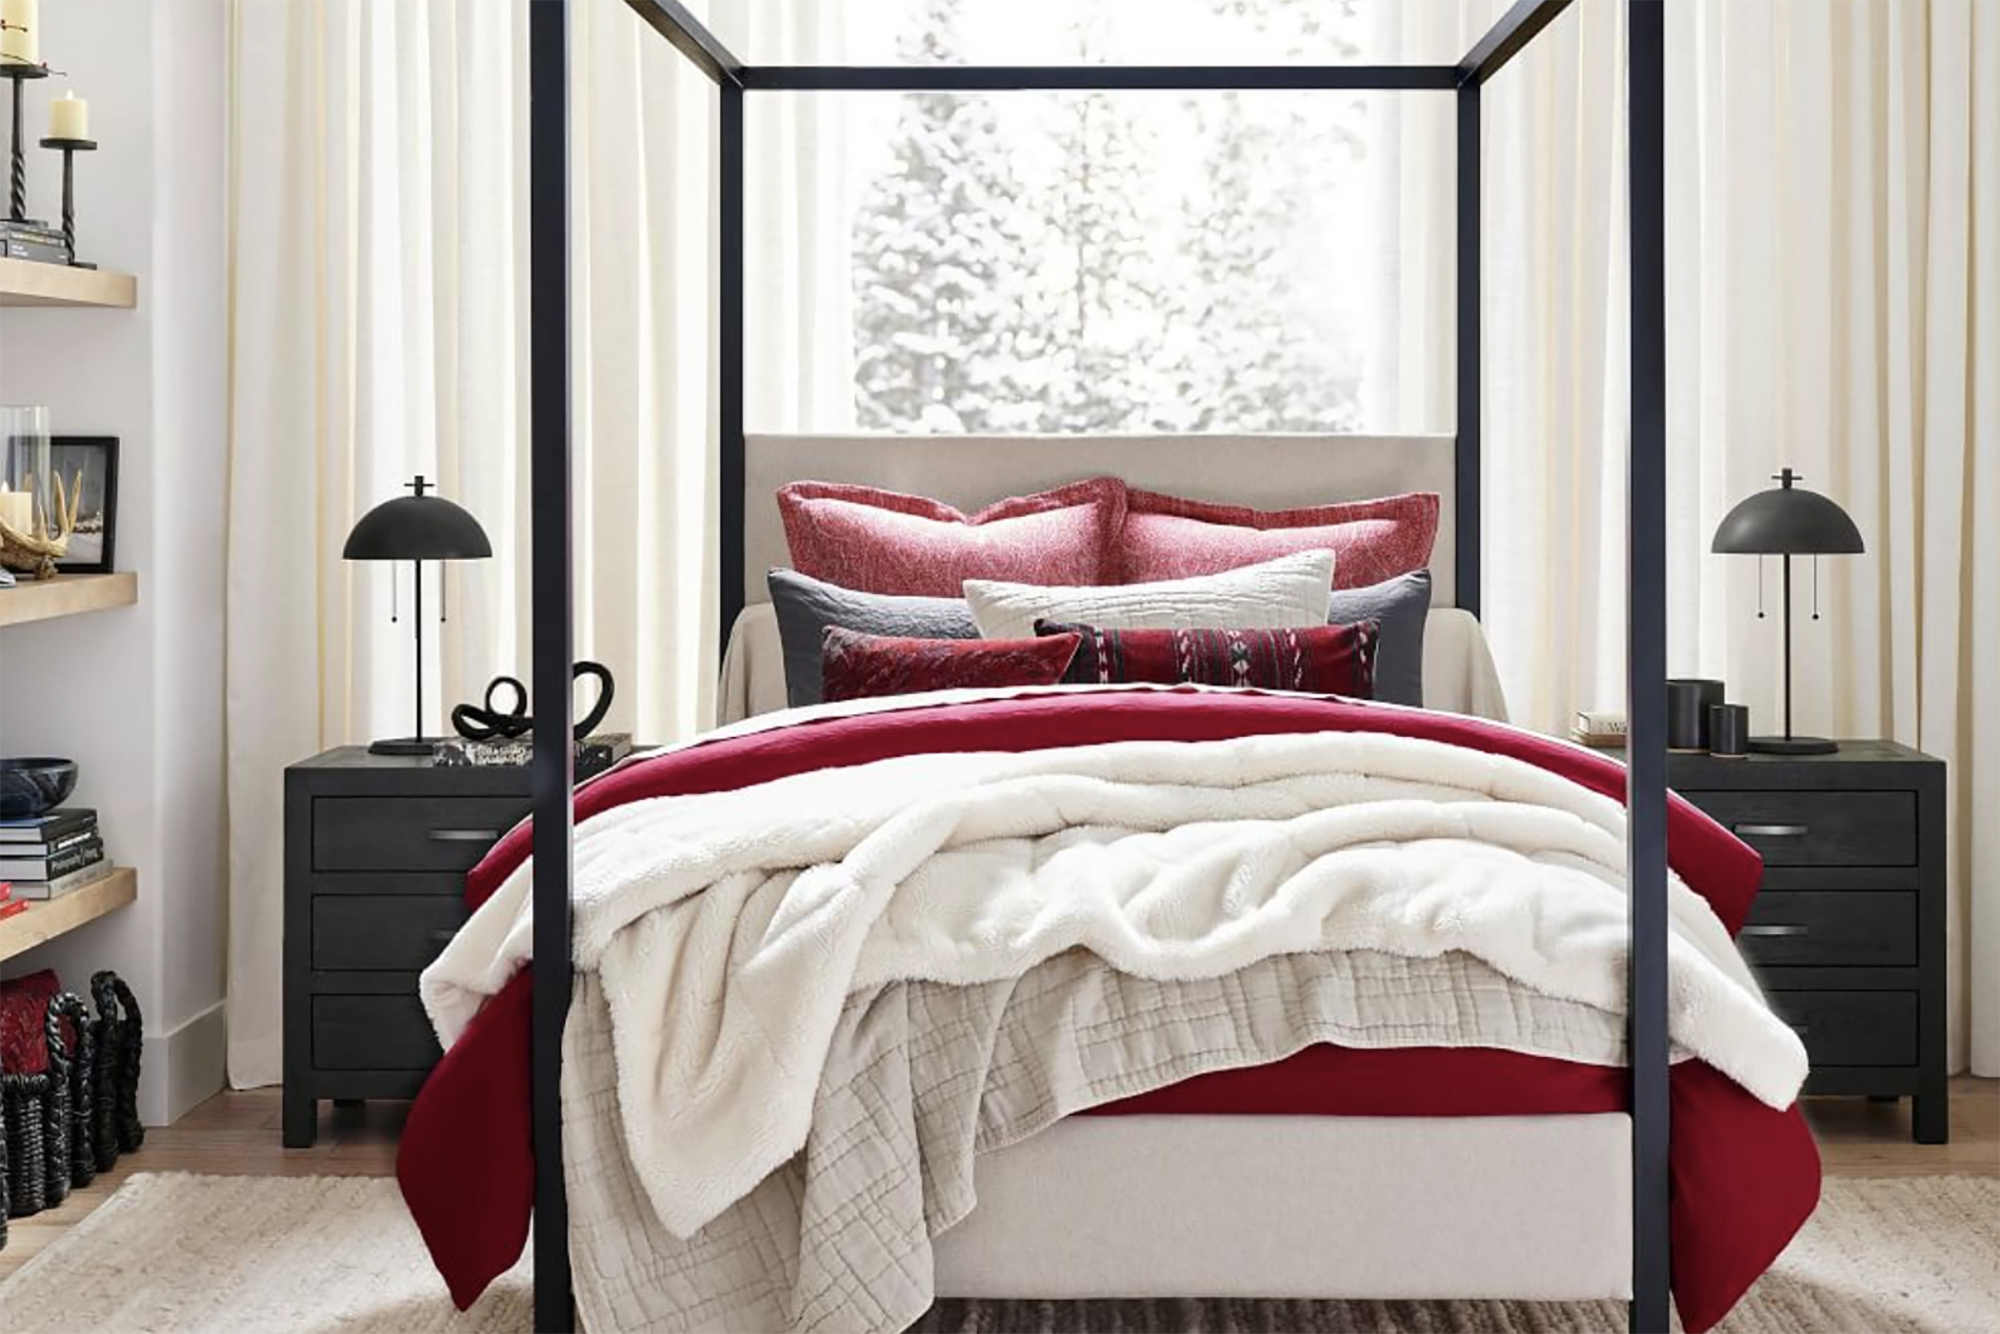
[51, 855]
[33, 240]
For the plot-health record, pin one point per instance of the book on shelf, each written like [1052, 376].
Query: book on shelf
[43, 890]
[53, 866]
[50, 847]
[49, 827]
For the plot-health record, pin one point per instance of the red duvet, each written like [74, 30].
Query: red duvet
[1745, 1177]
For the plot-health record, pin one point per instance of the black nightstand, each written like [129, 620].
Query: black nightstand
[376, 851]
[1847, 934]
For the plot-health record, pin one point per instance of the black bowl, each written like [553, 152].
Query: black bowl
[34, 785]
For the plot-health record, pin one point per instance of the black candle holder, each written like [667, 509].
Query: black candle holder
[19, 72]
[70, 148]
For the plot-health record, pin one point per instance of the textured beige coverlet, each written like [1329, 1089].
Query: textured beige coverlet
[922, 1076]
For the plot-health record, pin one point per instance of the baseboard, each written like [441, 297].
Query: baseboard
[183, 1068]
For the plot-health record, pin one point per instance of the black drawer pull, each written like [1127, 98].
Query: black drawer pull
[1769, 830]
[462, 835]
[1777, 930]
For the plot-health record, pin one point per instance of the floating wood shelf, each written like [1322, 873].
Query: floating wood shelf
[43, 922]
[66, 595]
[26, 283]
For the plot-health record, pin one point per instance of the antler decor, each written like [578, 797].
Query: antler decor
[35, 553]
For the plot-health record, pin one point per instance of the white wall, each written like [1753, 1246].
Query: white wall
[135, 695]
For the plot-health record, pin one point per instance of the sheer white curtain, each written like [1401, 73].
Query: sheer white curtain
[379, 328]
[1834, 272]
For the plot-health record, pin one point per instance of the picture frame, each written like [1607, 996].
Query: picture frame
[94, 458]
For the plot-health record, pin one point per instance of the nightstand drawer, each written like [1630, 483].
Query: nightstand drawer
[372, 1033]
[409, 833]
[1832, 929]
[1820, 828]
[382, 932]
[1852, 1027]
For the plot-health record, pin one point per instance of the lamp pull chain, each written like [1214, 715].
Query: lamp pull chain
[1760, 588]
[394, 614]
[444, 594]
[1815, 614]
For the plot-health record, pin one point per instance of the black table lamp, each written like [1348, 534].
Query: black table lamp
[1788, 521]
[416, 528]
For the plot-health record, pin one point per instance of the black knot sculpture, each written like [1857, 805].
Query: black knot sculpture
[488, 721]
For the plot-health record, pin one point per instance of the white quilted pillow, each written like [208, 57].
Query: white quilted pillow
[1290, 591]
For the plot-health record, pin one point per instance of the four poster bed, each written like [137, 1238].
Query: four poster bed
[847, 1006]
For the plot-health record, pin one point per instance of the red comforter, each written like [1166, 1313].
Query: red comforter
[1745, 1177]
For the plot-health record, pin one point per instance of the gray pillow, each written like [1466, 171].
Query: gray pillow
[1399, 607]
[807, 606]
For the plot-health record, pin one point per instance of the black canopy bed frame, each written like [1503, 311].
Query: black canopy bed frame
[552, 524]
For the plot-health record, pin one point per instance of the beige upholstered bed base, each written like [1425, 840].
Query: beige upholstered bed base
[1534, 1208]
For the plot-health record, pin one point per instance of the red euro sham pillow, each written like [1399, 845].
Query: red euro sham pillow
[875, 541]
[1166, 537]
[1317, 659]
[858, 666]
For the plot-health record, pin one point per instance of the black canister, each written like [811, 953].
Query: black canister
[1729, 731]
[1688, 703]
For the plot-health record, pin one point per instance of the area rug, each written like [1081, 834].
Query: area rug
[173, 1252]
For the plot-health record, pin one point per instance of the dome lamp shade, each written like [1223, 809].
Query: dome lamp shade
[1787, 520]
[417, 527]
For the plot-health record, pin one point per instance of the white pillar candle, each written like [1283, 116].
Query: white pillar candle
[69, 117]
[17, 510]
[21, 39]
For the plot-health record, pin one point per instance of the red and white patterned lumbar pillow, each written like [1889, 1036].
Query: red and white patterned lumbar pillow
[875, 541]
[858, 666]
[1320, 659]
[1167, 537]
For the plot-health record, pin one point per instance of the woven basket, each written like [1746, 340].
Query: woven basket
[119, 1036]
[45, 1130]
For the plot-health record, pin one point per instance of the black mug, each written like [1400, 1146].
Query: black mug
[1688, 703]
[1729, 731]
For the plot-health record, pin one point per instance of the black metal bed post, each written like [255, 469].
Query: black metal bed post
[1466, 458]
[1646, 665]
[553, 648]
[730, 444]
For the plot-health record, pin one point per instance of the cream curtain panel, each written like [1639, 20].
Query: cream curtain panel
[1834, 272]
[379, 328]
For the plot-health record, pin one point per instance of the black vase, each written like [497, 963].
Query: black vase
[1688, 703]
[1729, 731]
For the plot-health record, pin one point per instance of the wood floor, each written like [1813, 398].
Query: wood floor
[236, 1134]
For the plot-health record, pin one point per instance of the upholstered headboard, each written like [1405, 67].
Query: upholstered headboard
[1264, 471]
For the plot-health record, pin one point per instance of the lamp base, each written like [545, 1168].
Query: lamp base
[1793, 745]
[408, 745]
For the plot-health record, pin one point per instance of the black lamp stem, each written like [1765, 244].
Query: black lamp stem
[417, 621]
[1788, 646]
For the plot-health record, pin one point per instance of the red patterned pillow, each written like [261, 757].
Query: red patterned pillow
[1166, 537]
[1318, 659]
[24, 1016]
[858, 666]
[878, 541]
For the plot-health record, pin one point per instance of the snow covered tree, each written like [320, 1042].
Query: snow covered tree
[939, 253]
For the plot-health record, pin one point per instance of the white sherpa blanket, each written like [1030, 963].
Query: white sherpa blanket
[727, 930]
